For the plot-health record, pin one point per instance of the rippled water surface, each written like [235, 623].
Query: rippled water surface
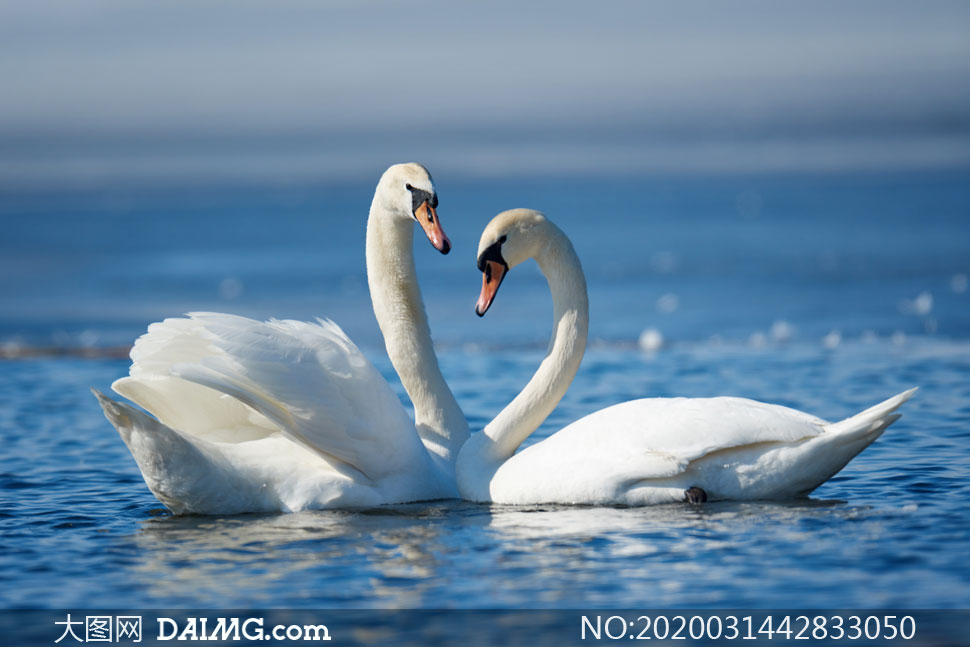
[825, 295]
[79, 526]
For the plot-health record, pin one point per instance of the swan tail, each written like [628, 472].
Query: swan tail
[125, 418]
[870, 423]
[842, 441]
[790, 469]
[180, 473]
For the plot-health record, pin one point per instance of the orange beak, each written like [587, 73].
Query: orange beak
[428, 218]
[492, 277]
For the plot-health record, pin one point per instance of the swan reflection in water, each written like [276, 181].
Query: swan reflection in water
[445, 554]
[311, 557]
[594, 554]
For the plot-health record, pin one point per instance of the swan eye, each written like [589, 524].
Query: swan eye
[492, 253]
[419, 197]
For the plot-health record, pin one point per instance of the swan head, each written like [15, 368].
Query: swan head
[407, 191]
[512, 237]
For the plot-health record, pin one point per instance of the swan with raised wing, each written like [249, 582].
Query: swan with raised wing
[254, 416]
[645, 451]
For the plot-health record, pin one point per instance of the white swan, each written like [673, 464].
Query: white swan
[285, 415]
[643, 451]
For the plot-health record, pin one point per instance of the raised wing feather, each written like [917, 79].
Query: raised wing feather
[230, 378]
[191, 408]
[314, 384]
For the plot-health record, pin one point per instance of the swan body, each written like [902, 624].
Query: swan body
[645, 451]
[652, 450]
[254, 416]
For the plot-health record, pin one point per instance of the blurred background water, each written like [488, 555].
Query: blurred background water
[768, 202]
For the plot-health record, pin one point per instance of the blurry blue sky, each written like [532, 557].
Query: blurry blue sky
[121, 91]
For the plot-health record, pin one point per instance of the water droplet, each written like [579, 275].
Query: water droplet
[782, 331]
[650, 340]
[923, 303]
[832, 340]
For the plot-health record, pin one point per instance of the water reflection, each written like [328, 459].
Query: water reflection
[328, 557]
[553, 523]
[454, 553]
[659, 555]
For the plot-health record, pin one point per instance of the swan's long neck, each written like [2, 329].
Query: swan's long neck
[400, 313]
[503, 435]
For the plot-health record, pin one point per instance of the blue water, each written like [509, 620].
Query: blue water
[822, 293]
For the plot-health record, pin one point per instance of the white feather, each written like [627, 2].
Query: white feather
[644, 451]
[649, 451]
[285, 415]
